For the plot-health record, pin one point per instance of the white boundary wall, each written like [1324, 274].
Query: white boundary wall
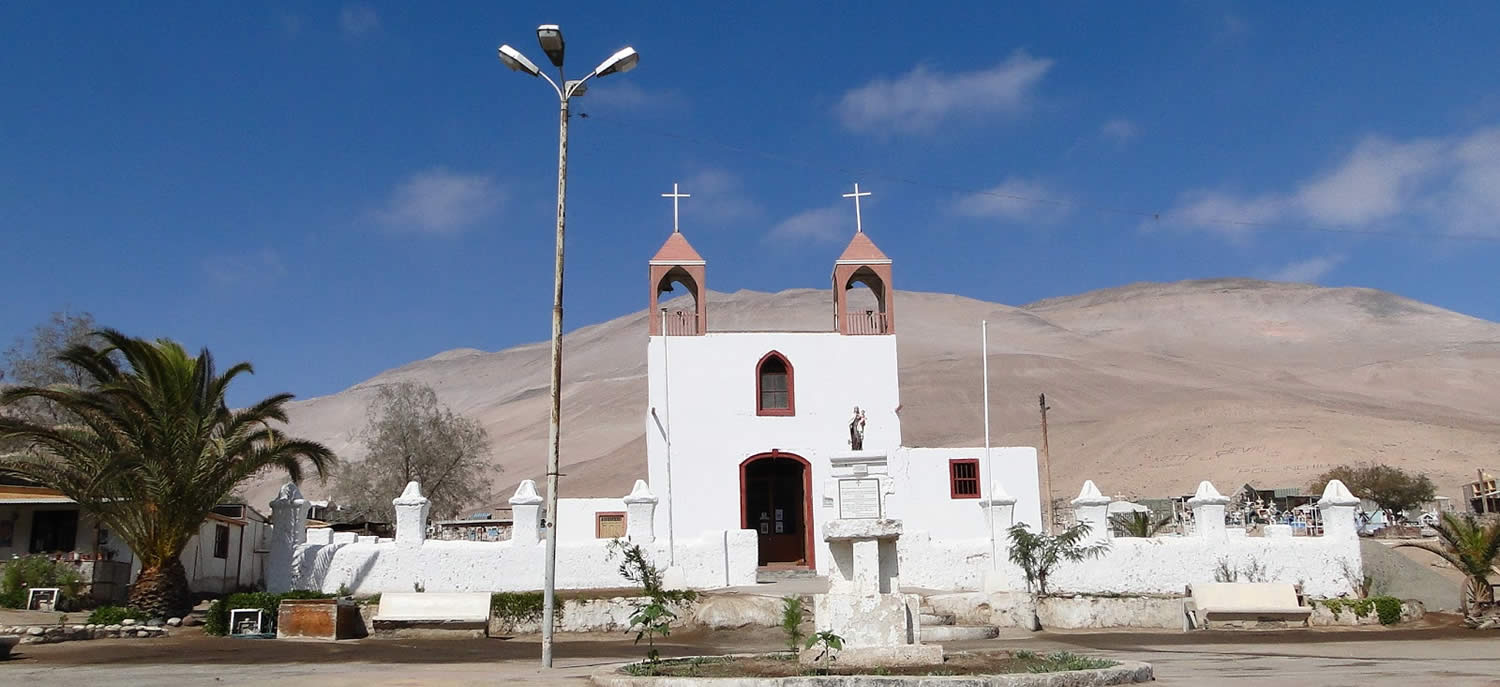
[1325, 566]
[325, 560]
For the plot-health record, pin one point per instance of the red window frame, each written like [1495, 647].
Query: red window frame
[954, 480]
[791, 388]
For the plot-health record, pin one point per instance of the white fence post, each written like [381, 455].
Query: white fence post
[288, 530]
[1208, 511]
[1338, 507]
[1092, 508]
[640, 514]
[526, 514]
[411, 516]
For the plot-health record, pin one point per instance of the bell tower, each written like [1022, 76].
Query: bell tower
[864, 265]
[677, 263]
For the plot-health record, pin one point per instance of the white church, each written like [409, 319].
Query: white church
[757, 440]
[764, 431]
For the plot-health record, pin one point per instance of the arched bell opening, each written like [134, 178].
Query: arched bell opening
[865, 303]
[677, 300]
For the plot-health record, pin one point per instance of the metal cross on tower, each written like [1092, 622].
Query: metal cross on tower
[674, 195]
[859, 227]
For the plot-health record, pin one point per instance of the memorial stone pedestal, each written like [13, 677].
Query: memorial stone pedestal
[864, 605]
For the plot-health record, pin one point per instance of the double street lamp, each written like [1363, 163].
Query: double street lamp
[551, 39]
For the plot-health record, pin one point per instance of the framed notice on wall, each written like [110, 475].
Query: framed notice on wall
[859, 498]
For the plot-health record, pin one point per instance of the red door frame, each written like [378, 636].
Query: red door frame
[807, 510]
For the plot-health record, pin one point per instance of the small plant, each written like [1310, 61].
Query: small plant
[1255, 571]
[1138, 524]
[654, 617]
[418, 587]
[30, 572]
[791, 621]
[1024, 654]
[344, 591]
[1226, 572]
[1038, 554]
[1059, 661]
[830, 643]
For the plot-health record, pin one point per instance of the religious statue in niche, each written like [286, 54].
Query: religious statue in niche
[857, 430]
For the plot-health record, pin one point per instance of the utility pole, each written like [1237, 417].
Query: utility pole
[1046, 470]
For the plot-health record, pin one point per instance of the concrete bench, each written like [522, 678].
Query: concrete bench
[1256, 601]
[417, 614]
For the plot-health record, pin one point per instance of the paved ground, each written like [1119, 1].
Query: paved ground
[1436, 654]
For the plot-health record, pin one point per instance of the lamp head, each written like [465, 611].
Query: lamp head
[619, 63]
[551, 39]
[513, 58]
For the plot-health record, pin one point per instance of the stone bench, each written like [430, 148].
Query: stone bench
[1253, 601]
[418, 614]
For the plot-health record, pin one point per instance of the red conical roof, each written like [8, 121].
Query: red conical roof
[862, 249]
[676, 249]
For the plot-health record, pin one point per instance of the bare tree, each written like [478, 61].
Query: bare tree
[410, 436]
[34, 361]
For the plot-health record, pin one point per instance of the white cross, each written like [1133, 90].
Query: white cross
[674, 195]
[859, 227]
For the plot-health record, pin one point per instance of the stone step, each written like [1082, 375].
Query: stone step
[930, 619]
[958, 633]
[772, 575]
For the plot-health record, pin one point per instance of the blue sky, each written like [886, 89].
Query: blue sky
[333, 189]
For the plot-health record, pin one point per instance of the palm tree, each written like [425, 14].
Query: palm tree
[1471, 547]
[1138, 523]
[150, 447]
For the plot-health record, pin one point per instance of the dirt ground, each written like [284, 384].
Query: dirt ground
[1435, 651]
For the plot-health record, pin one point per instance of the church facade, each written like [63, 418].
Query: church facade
[780, 432]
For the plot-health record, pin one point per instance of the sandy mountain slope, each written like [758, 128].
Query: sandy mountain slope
[1152, 386]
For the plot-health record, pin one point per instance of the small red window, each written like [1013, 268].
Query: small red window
[963, 478]
[774, 389]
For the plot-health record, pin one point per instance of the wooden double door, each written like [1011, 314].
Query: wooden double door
[775, 502]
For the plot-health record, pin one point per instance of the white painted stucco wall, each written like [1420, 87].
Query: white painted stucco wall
[703, 393]
[575, 517]
[923, 499]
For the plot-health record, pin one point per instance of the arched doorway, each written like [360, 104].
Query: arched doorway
[776, 502]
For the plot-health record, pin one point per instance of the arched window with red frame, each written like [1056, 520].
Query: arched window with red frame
[775, 392]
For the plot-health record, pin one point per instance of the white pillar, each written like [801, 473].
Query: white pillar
[411, 516]
[1208, 511]
[1338, 507]
[640, 514]
[288, 531]
[526, 514]
[999, 510]
[1092, 508]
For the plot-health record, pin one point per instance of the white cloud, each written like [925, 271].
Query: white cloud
[1447, 185]
[820, 224]
[627, 95]
[1015, 200]
[1121, 131]
[1306, 271]
[718, 196]
[358, 20]
[257, 267]
[438, 201]
[921, 99]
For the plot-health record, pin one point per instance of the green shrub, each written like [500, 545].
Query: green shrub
[112, 615]
[519, 608]
[29, 572]
[216, 622]
[791, 621]
[1389, 609]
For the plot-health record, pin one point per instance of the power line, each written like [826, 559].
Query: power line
[1151, 215]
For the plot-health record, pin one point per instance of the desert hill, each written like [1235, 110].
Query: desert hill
[1152, 386]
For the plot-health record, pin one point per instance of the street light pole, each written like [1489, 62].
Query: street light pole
[551, 40]
[554, 428]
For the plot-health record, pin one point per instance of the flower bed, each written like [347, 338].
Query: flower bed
[999, 668]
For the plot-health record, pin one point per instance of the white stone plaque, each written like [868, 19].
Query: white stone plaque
[859, 498]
